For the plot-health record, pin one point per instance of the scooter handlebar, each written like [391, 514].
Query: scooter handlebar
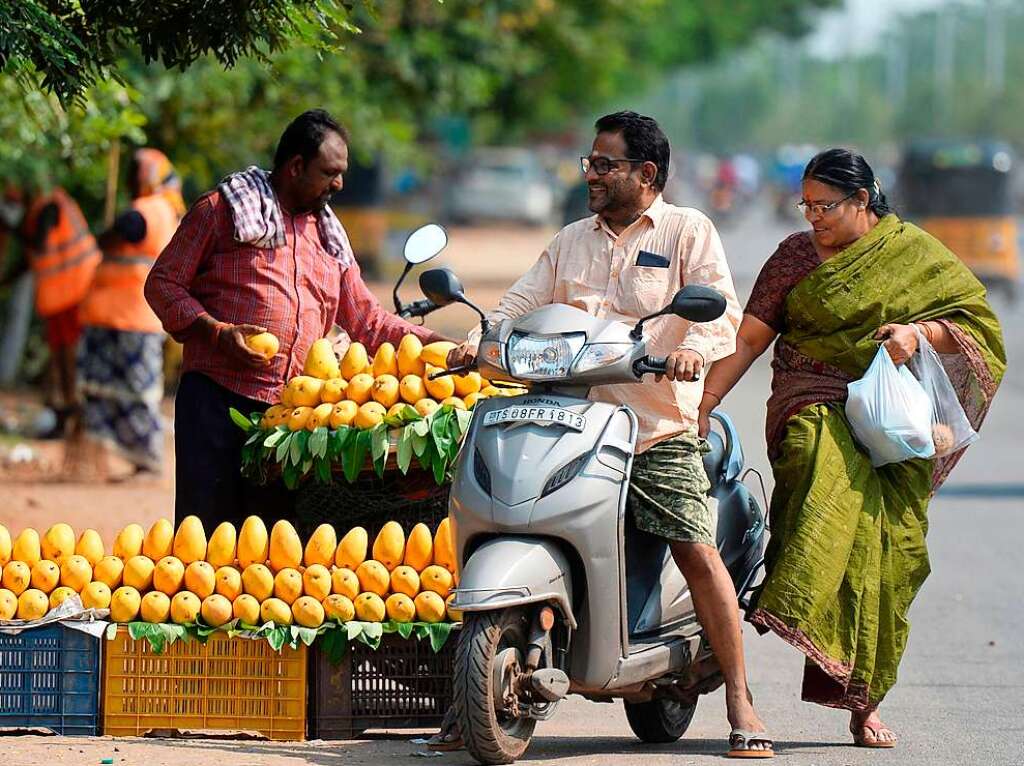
[655, 365]
[418, 308]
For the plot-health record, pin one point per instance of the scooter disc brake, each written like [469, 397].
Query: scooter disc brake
[507, 667]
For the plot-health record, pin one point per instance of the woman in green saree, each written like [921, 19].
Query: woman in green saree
[847, 553]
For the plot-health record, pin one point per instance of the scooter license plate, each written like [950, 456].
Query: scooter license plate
[542, 415]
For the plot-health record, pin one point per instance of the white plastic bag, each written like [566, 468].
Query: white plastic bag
[951, 430]
[890, 413]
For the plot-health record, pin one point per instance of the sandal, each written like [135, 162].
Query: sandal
[741, 740]
[861, 741]
[445, 743]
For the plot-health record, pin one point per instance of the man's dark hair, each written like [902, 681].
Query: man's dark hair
[304, 135]
[643, 138]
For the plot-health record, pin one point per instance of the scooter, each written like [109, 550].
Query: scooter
[560, 592]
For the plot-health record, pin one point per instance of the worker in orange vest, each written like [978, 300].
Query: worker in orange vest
[120, 361]
[63, 254]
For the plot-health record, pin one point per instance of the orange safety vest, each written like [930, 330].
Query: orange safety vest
[65, 264]
[116, 298]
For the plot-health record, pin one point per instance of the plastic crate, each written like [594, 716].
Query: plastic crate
[401, 685]
[226, 683]
[49, 677]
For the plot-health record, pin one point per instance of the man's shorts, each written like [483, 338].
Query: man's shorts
[63, 329]
[668, 492]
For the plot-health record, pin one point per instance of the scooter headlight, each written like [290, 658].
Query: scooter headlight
[541, 357]
[491, 352]
[601, 355]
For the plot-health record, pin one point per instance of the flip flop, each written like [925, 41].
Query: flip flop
[740, 741]
[861, 741]
[440, 743]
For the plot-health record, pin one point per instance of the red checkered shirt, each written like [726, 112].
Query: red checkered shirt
[297, 291]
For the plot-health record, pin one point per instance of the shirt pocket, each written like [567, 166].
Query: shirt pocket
[644, 290]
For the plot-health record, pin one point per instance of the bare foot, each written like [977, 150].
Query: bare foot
[869, 731]
[742, 717]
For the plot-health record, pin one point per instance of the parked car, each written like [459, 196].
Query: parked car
[502, 184]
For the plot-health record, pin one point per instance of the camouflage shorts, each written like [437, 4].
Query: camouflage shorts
[668, 491]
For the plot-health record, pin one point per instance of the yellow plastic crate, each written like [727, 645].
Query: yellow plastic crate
[227, 683]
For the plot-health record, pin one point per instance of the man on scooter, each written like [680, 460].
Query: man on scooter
[624, 263]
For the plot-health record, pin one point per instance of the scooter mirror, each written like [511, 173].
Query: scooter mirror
[697, 303]
[424, 243]
[442, 287]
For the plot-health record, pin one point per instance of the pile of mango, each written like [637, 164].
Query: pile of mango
[360, 392]
[167, 575]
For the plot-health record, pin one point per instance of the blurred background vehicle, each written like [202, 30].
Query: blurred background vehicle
[502, 184]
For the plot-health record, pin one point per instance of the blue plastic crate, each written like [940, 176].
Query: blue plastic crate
[49, 677]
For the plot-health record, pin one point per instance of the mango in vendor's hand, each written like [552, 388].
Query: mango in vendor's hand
[385, 361]
[264, 344]
[369, 415]
[355, 361]
[343, 414]
[321, 417]
[321, 361]
[333, 390]
[304, 391]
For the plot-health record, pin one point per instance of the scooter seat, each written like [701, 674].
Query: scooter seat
[714, 461]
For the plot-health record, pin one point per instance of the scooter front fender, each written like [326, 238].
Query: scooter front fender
[514, 571]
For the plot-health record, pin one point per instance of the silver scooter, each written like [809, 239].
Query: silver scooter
[560, 592]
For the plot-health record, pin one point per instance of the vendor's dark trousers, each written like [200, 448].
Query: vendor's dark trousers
[207, 450]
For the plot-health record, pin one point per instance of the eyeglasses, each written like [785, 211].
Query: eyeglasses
[602, 165]
[819, 209]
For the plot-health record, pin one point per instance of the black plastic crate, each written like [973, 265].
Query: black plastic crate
[401, 685]
[49, 677]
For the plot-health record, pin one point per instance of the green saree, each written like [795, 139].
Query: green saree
[847, 553]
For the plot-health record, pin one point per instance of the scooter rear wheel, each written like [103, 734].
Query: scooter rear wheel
[489, 642]
[659, 721]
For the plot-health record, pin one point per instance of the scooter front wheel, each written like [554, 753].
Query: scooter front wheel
[491, 652]
[659, 721]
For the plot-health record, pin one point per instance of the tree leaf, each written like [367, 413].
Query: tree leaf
[290, 475]
[421, 427]
[404, 629]
[355, 454]
[353, 629]
[379, 441]
[463, 418]
[439, 632]
[404, 456]
[299, 441]
[334, 645]
[275, 437]
[278, 636]
[323, 470]
[240, 420]
[283, 447]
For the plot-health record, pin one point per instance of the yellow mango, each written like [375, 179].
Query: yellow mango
[200, 579]
[400, 607]
[308, 612]
[320, 417]
[426, 407]
[185, 607]
[454, 615]
[155, 607]
[444, 546]
[338, 607]
[285, 546]
[454, 401]
[109, 570]
[360, 388]
[253, 542]
[273, 416]
[90, 545]
[288, 585]
[246, 609]
[9, 603]
[411, 388]
[389, 546]
[159, 540]
[265, 344]
[96, 595]
[352, 549]
[304, 391]
[190, 541]
[472, 399]
[385, 390]
[168, 575]
[128, 542]
[437, 579]
[316, 582]
[321, 361]
[373, 577]
[345, 583]
[17, 577]
[215, 610]
[222, 548]
[45, 575]
[286, 398]
[419, 548]
[76, 573]
[436, 353]
[58, 543]
[384, 361]
[354, 361]
[26, 547]
[397, 409]
[430, 607]
[370, 607]
[442, 387]
[321, 546]
[5, 545]
[299, 417]
[56, 598]
[405, 580]
[32, 604]
[228, 583]
[125, 603]
[138, 574]
[490, 391]
[333, 390]
[369, 415]
[467, 384]
[408, 356]
[258, 581]
[275, 610]
[343, 414]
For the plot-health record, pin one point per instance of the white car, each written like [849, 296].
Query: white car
[502, 184]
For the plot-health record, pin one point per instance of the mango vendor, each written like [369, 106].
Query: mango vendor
[263, 252]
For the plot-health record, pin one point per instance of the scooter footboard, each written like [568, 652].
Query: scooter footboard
[513, 571]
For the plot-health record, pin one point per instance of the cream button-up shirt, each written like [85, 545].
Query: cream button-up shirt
[631, 275]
